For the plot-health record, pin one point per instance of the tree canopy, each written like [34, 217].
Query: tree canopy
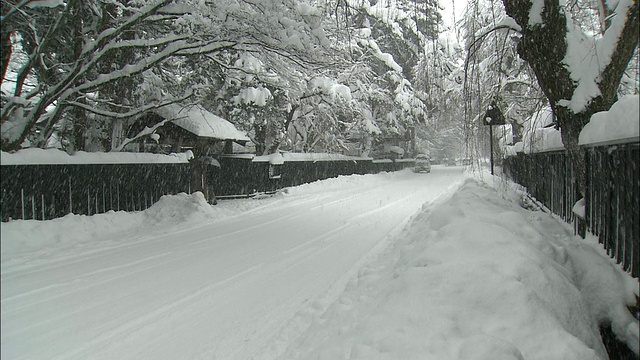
[302, 75]
[306, 75]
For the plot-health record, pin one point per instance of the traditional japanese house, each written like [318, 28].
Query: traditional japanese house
[187, 128]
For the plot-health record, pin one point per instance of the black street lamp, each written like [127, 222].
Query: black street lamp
[493, 116]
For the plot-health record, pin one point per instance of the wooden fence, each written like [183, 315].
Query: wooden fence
[612, 199]
[613, 205]
[50, 191]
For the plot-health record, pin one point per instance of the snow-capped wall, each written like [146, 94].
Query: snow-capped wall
[287, 157]
[54, 156]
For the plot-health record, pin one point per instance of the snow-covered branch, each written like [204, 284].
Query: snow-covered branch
[112, 33]
[144, 132]
[132, 113]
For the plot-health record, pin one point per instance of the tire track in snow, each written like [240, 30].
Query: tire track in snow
[349, 224]
[137, 241]
[280, 327]
[175, 247]
[141, 241]
[177, 256]
[278, 270]
[147, 319]
[7, 300]
[154, 238]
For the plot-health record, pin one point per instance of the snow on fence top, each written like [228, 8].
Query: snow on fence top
[287, 157]
[57, 157]
[201, 122]
[620, 124]
[382, 161]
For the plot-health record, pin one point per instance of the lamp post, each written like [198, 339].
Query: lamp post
[493, 116]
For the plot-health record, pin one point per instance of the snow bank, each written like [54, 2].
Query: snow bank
[23, 239]
[54, 156]
[621, 123]
[178, 209]
[476, 276]
[20, 237]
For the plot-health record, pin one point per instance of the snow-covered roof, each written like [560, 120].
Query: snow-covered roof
[201, 122]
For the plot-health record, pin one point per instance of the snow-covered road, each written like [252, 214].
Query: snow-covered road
[222, 289]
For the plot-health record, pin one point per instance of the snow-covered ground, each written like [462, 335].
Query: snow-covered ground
[387, 266]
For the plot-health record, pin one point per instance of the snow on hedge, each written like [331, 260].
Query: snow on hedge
[35, 156]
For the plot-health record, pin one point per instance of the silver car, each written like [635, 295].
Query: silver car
[423, 164]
